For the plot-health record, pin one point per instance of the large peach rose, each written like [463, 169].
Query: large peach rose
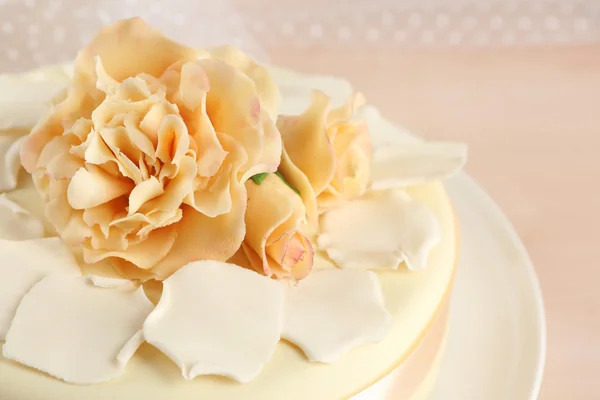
[143, 159]
[327, 153]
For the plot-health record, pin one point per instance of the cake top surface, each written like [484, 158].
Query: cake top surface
[161, 166]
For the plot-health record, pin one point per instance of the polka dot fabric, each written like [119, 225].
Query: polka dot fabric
[35, 32]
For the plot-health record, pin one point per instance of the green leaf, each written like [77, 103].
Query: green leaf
[287, 183]
[258, 178]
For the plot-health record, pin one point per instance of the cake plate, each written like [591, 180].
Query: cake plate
[497, 334]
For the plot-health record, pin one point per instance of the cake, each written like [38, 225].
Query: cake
[180, 223]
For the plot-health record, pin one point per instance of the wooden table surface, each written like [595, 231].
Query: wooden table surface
[532, 120]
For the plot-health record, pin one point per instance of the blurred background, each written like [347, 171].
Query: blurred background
[518, 80]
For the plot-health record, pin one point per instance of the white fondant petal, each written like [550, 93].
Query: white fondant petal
[379, 231]
[333, 311]
[76, 331]
[216, 318]
[24, 99]
[18, 223]
[415, 162]
[106, 282]
[383, 132]
[10, 163]
[297, 90]
[22, 265]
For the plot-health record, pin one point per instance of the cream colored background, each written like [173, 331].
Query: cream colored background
[531, 115]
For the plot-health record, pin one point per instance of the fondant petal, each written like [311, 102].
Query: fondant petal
[379, 231]
[216, 318]
[78, 329]
[416, 162]
[333, 311]
[18, 223]
[22, 265]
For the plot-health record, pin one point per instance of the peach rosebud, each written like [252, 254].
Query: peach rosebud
[330, 148]
[274, 245]
[143, 160]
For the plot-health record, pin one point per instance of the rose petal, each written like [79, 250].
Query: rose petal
[347, 110]
[229, 103]
[271, 152]
[173, 139]
[145, 191]
[94, 150]
[204, 238]
[118, 142]
[144, 255]
[82, 98]
[139, 138]
[267, 89]
[151, 122]
[215, 199]
[350, 180]
[273, 211]
[86, 341]
[147, 223]
[116, 43]
[306, 142]
[193, 86]
[116, 240]
[210, 153]
[104, 82]
[103, 214]
[291, 255]
[58, 145]
[90, 188]
[176, 190]
[67, 221]
[297, 179]
[57, 159]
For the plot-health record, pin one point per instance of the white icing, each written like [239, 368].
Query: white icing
[216, 318]
[379, 231]
[22, 264]
[10, 163]
[415, 162]
[76, 331]
[333, 311]
[18, 223]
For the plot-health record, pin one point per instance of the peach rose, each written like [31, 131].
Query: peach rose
[328, 151]
[143, 159]
[274, 245]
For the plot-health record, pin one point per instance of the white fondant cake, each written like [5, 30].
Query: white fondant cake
[361, 308]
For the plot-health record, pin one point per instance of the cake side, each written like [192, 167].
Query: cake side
[412, 298]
